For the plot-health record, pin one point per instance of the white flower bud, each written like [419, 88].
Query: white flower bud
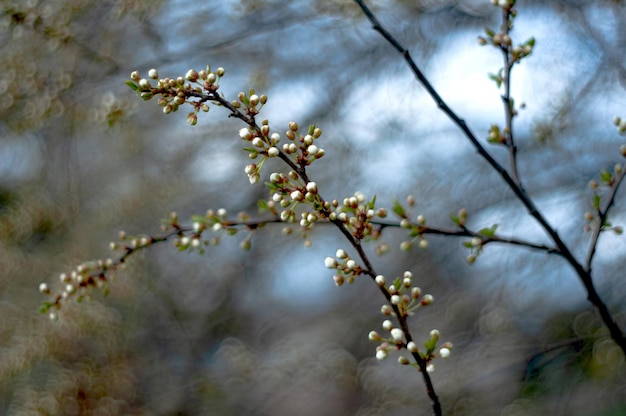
[380, 280]
[444, 352]
[403, 360]
[397, 334]
[411, 346]
[297, 196]
[387, 325]
[330, 262]
[244, 133]
[272, 151]
[427, 300]
[311, 187]
[374, 336]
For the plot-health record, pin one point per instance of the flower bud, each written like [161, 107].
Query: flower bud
[331, 262]
[311, 187]
[374, 336]
[397, 334]
[403, 360]
[191, 75]
[387, 325]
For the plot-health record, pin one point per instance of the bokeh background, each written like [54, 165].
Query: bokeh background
[265, 331]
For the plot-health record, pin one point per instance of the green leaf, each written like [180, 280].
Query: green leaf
[132, 85]
[468, 244]
[311, 129]
[45, 307]
[263, 205]
[530, 42]
[490, 32]
[596, 201]
[398, 209]
[606, 176]
[196, 218]
[430, 345]
[397, 283]
[489, 232]
[372, 203]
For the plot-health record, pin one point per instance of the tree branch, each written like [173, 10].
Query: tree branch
[583, 274]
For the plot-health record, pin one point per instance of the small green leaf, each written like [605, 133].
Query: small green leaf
[490, 32]
[311, 129]
[132, 85]
[488, 232]
[606, 176]
[430, 345]
[468, 244]
[197, 218]
[372, 203]
[45, 307]
[596, 201]
[263, 204]
[397, 283]
[398, 209]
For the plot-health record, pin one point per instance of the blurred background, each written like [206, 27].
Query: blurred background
[266, 332]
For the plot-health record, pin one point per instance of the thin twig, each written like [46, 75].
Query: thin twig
[601, 220]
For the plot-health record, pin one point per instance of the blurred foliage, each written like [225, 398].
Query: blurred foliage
[263, 332]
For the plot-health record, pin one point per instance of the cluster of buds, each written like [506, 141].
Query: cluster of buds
[302, 148]
[621, 128]
[77, 284]
[403, 295]
[396, 341]
[416, 229]
[504, 42]
[347, 268]
[289, 193]
[356, 213]
[608, 180]
[214, 220]
[251, 102]
[262, 143]
[195, 88]
[476, 247]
